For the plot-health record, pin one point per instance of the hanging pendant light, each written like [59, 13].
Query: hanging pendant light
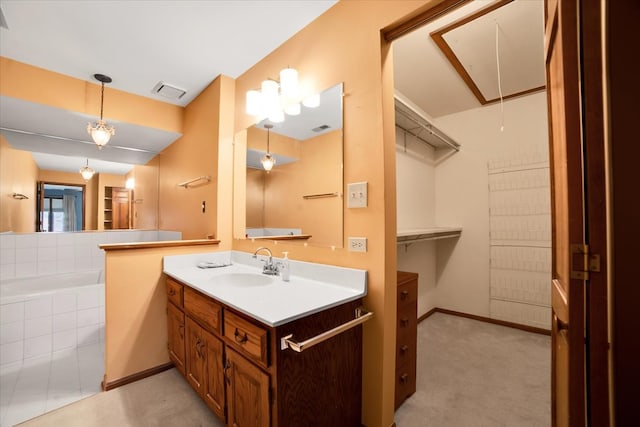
[100, 131]
[268, 161]
[87, 172]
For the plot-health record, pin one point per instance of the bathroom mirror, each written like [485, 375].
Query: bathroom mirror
[300, 199]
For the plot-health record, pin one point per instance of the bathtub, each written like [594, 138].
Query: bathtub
[44, 314]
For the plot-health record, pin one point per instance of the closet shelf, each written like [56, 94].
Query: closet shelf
[422, 234]
[417, 125]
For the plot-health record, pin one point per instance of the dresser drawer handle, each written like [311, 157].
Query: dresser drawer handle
[404, 349]
[403, 378]
[172, 292]
[404, 294]
[240, 339]
[404, 322]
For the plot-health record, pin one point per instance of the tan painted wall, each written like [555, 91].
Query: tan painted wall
[193, 155]
[18, 174]
[344, 45]
[135, 310]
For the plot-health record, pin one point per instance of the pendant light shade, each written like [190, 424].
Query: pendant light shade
[268, 161]
[100, 131]
[86, 172]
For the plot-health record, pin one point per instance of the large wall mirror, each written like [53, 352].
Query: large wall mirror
[300, 198]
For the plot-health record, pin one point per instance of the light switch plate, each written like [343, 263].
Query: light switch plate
[358, 244]
[357, 195]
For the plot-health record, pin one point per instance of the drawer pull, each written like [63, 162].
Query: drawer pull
[404, 322]
[181, 331]
[240, 339]
[403, 378]
[404, 349]
[288, 341]
[404, 294]
[172, 292]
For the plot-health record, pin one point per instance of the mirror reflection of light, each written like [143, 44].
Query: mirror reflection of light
[130, 184]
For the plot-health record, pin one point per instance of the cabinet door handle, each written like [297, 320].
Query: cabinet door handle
[198, 346]
[404, 349]
[225, 371]
[403, 378]
[404, 322]
[172, 292]
[240, 339]
[404, 294]
[181, 331]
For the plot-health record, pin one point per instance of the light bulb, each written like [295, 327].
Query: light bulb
[100, 132]
[312, 101]
[268, 161]
[254, 103]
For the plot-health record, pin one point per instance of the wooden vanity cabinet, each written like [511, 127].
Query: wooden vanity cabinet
[176, 344]
[237, 366]
[406, 336]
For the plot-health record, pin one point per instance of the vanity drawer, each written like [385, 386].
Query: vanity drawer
[203, 309]
[250, 339]
[174, 292]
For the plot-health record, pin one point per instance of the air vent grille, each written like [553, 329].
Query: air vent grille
[168, 91]
[321, 128]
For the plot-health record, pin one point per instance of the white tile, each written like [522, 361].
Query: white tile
[83, 262]
[66, 265]
[65, 252]
[7, 256]
[63, 303]
[26, 255]
[65, 239]
[47, 240]
[47, 267]
[11, 352]
[7, 241]
[97, 263]
[64, 340]
[10, 368]
[24, 410]
[28, 269]
[39, 346]
[7, 271]
[67, 355]
[47, 254]
[27, 240]
[13, 312]
[37, 327]
[64, 321]
[38, 307]
[88, 335]
[11, 332]
[89, 316]
[89, 298]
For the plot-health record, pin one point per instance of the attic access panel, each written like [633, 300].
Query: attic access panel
[470, 45]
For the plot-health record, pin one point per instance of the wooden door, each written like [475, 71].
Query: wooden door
[247, 393]
[195, 356]
[578, 293]
[214, 382]
[176, 345]
[120, 206]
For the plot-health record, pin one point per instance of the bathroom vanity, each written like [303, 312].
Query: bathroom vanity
[264, 352]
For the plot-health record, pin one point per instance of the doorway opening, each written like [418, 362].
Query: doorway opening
[60, 207]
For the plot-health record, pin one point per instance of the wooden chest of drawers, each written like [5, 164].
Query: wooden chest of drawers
[406, 336]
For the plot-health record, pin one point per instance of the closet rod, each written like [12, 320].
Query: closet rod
[429, 128]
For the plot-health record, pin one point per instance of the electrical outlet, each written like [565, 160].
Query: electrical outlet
[357, 195]
[358, 244]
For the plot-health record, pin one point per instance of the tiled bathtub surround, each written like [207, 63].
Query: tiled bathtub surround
[42, 324]
[38, 254]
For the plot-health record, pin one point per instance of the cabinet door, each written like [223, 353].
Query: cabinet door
[196, 356]
[247, 392]
[175, 326]
[213, 392]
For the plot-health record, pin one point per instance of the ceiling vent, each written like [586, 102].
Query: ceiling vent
[321, 128]
[168, 91]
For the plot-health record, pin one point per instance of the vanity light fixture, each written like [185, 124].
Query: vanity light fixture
[87, 172]
[130, 184]
[100, 131]
[274, 99]
[268, 161]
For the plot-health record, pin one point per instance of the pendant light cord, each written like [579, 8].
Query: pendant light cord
[499, 81]
[101, 101]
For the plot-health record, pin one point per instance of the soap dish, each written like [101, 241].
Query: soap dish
[212, 264]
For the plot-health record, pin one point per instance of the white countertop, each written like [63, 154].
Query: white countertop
[312, 287]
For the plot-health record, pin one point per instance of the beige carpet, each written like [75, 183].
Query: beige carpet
[164, 399]
[473, 373]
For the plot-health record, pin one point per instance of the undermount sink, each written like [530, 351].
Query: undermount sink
[244, 279]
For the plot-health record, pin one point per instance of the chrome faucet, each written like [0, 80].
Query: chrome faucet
[269, 268]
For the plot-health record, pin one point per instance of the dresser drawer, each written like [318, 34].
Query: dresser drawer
[250, 339]
[405, 352]
[407, 294]
[405, 385]
[174, 292]
[202, 309]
